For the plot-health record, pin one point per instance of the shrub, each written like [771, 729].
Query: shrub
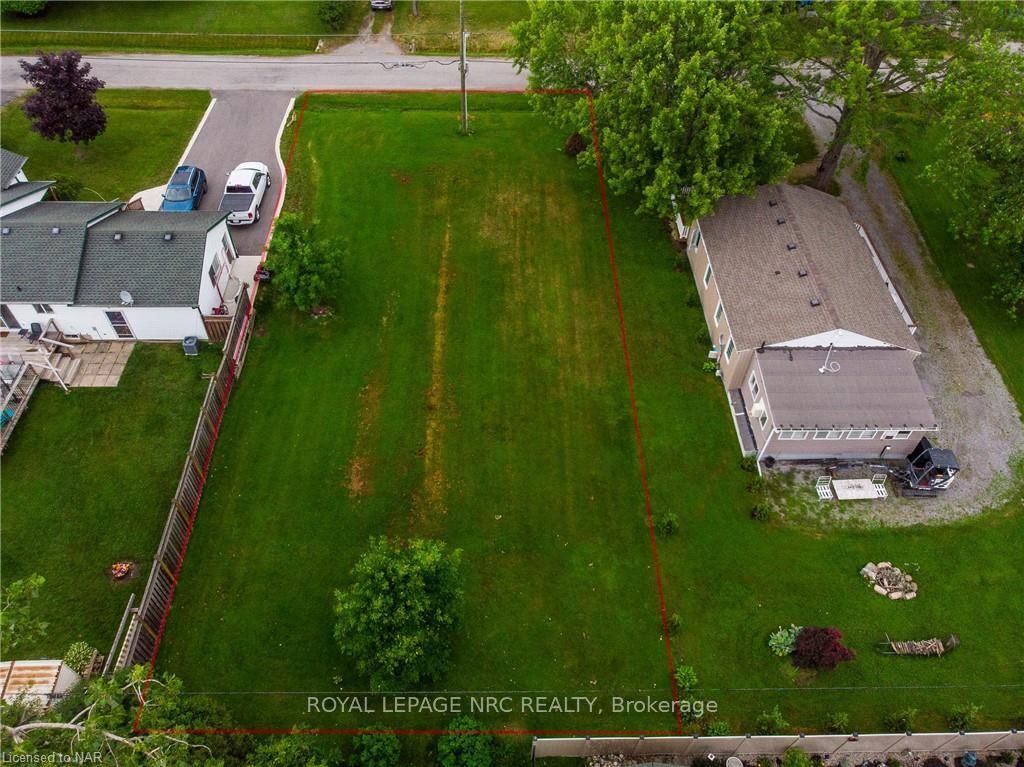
[667, 523]
[709, 366]
[794, 757]
[336, 13]
[306, 271]
[837, 722]
[464, 746]
[288, 750]
[508, 752]
[675, 622]
[892, 761]
[66, 188]
[902, 721]
[771, 722]
[761, 512]
[716, 728]
[702, 336]
[686, 678]
[781, 642]
[376, 749]
[748, 463]
[575, 145]
[78, 656]
[23, 7]
[396, 618]
[756, 485]
[963, 717]
[820, 648]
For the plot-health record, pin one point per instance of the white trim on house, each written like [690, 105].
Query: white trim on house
[730, 349]
[837, 338]
[708, 274]
[897, 299]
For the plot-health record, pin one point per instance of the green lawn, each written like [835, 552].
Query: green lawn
[87, 481]
[471, 387]
[147, 130]
[268, 27]
[436, 28]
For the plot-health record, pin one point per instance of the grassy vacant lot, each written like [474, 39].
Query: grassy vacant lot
[436, 28]
[472, 387]
[87, 481]
[256, 27]
[146, 133]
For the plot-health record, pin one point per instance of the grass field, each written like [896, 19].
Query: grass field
[145, 135]
[268, 27]
[436, 28]
[472, 387]
[87, 481]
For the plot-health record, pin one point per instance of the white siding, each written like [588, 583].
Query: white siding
[211, 296]
[148, 323]
[23, 202]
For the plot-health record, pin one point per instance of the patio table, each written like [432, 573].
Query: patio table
[854, 489]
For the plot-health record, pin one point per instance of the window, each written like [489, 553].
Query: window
[896, 434]
[7, 318]
[828, 434]
[861, 434]
[215, 268]
[228, 250]
[707, 275]
[43, 308]
[729, 349]
[755, 389]
[119, 324]
[763, 418]
[696, 239]
[718, 313]
[793, 434]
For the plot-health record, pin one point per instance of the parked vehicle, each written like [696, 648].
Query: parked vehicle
[185, 189]
[244, 192]
[381, 5]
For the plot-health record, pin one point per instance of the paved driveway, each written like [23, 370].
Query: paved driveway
[242, 126]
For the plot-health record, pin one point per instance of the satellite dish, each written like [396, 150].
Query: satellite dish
[126, 298]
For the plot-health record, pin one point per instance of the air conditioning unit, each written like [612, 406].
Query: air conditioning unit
[757, 409]
[713, 354]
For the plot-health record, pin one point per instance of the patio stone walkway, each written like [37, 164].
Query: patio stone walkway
[103, 363]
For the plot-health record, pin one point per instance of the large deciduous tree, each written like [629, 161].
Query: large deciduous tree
[307, 270]
[17, 623]
[981, 155]
[63, 106]
[395, 621]
[684, 94]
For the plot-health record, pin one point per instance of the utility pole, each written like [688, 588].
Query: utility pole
[462, 68]
[415, 7]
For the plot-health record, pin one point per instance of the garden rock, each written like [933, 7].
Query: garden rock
[889, 581]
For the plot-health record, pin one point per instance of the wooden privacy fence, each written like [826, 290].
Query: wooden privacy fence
[147, 624]
[830, 747]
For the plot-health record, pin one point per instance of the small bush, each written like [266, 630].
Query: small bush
[67, 188]
[675, 622]
[376, 749]
[794, 757]
[691, 299]
[23, 7]
[575, 145]
[702, 336]
[686, 679]
[748, 463]
[761, 512]
[781, 642]
[709, 366]
[892, 761]
[820, 648]
[716, 728]
[307, 271]
[963, 717]
[464, 746]
[756, 485]
[901, 721]
[336, 13]
[838, 722]
[667, 523]
[771, 722]
[78, 656]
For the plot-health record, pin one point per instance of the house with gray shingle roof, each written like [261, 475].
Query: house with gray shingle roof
[97, 271]
[16, 191]
[815, 345]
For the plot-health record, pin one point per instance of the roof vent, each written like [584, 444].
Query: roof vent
[780, 221]
[815, 302]
[118, 236]
[791, 246]
[168, 236]
[802, 273]
[55, 230]
[6, 230]
[772, 203]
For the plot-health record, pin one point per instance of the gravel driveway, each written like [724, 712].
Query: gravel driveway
[242, 126]
[979, 418]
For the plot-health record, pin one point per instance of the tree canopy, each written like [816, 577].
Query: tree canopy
[395, 620]
[17, 624]
[307, 271]
[63, 106]
[684, 94]
[464, 745]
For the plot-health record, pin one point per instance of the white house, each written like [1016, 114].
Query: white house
[38, 682]
[16, 191]
[104, 273]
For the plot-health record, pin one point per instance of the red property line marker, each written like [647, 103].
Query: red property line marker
[636, 429]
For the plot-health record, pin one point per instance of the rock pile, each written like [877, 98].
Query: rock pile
[889, 581]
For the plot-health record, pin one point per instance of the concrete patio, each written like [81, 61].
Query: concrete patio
[102, 363]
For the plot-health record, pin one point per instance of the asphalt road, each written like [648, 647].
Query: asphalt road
[241, 127]
[288, 74]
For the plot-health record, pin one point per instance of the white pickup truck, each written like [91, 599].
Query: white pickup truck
[244, 192]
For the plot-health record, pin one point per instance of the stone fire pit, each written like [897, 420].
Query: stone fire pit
[889, 581]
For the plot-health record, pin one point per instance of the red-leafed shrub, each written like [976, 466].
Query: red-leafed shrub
[817, 647]
[575, 144]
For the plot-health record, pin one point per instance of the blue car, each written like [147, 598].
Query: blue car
[185, 189]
